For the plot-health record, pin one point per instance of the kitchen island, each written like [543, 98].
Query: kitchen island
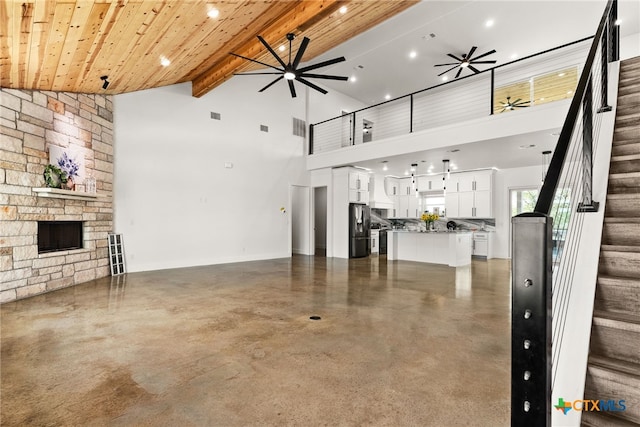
[452, 248]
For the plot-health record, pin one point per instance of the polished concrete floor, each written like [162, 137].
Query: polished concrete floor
[400, 344]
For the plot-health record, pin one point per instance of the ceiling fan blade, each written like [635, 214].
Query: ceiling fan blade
[474, 69]
[517, 101]
[301, 49]
[292, 88]
[482, 62]
[322, 64]
[324, 76]
[253, 60]
[254, 74]
[271, 84]
[311, 85]
[454, 57]
[273, 52]
[484, 54]
[451, 63]
[458, 73]
[445, 72]
[470, 54]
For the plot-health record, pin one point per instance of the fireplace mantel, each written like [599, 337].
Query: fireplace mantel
[58, 193]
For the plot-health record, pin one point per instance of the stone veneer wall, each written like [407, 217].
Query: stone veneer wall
[30, 122]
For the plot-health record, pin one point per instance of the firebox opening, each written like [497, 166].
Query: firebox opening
[56, 236]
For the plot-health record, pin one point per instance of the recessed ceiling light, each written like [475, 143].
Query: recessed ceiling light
[514, 56]
[445, 78]
[164, 61]
[406, 173]
[569, 92]
[343, 10]
[618, 22]
[489, 23]
[561, 75]
[213, 13]
[541, 99]
[353, 79]
[526, 146]
[387, 97]
[413, 54]
[454, 167]
[282, 48]
[455, 150]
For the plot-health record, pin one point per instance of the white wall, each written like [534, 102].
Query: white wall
[630, 46]
[176, 203]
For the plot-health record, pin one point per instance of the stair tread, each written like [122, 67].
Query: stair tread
[618, 196]
[617, 280]
[624, 175]
[620, 248]
[604, 419]
[611, 364]
[617, 317]
[621, 220]
[625, 158]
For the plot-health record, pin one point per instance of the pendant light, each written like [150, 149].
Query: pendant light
[545, 164]
[446, 173]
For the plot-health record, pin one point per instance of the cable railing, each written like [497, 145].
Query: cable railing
[537, 79]
[546, 241]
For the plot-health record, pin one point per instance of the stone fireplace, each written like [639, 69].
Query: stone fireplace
[32, 122]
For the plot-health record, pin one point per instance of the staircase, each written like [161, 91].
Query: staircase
[613, 371]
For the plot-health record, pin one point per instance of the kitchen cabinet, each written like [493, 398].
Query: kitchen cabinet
[482, 244]
[469, 195]
[430, 183]
[375, 241]
[391, 187]
[359, 187]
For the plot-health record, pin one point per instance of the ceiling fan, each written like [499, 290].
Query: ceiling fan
[466, 61]
[290, 71]
[518, 103]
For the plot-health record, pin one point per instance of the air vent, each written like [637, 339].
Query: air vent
[299, 127]
[264, 128]
[215, 116]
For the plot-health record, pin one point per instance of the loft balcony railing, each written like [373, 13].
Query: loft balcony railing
[543, 273]
[537, 79]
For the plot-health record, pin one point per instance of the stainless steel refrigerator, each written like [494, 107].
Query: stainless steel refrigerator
[359, 233]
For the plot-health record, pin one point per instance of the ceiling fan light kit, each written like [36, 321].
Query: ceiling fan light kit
[290, 70]
[466, 61]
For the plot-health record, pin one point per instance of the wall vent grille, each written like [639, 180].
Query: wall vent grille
[299, 127]
[264, 128]
[215, 116]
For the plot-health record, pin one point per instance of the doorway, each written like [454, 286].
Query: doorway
[320, 220]
[521, 200]
[300, 220]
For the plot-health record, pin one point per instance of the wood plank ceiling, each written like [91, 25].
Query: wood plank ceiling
[65, 45]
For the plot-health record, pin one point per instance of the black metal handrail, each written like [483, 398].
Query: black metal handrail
[545, 199]
[411, 95]
[542, 281]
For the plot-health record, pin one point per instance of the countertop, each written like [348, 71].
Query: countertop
[433, 232]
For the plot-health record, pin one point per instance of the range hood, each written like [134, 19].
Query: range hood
[378, 198]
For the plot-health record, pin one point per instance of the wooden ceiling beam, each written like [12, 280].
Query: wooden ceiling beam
[300, 15]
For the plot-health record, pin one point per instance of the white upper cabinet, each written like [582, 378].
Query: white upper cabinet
[391, 187]
[358, 187]
[470, 195]
[430, 183]
[359, 181]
